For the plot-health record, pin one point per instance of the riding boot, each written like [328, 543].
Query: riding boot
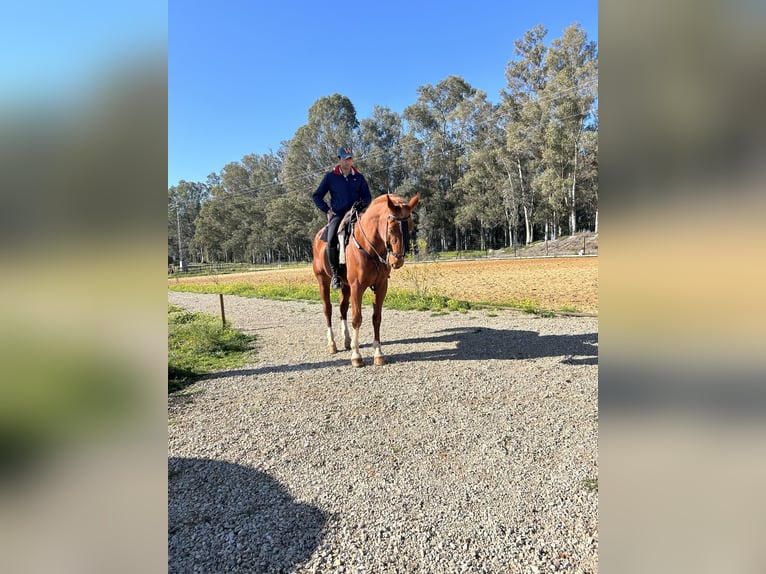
[334, 265]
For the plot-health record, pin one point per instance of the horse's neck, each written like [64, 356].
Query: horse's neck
[367, 231]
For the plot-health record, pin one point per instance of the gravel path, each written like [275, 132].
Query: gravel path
[473, 450]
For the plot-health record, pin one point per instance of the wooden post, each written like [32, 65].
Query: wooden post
[223, 313]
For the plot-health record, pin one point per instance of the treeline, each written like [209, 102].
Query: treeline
[490, 175]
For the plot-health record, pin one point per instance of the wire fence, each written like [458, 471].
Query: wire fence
[578, 245]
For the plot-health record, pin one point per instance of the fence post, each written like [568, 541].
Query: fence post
[223, 313]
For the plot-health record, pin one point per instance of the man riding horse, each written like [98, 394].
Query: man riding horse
[346, 186]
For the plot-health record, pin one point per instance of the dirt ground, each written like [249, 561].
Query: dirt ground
[569, 283]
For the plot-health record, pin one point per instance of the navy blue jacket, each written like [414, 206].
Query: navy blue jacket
[344, 192]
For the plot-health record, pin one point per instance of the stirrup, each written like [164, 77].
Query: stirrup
[335, 282]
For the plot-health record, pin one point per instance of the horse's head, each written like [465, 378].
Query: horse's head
[399, 213]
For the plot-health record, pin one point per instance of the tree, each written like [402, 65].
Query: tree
[331, 123]
[380, 152]
[487, 197]
[523, 120]
[548, 104]
[487, 174]
[571, 91]
[184, 204]
[231, 224]
[434, 121]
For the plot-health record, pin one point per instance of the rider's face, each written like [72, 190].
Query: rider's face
[345, 164]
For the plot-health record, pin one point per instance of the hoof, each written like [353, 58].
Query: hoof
[357, 362]
[348, 346]
[332, 349]
[379, 360]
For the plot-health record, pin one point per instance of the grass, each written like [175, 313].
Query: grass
[399, 299]
[61, 390]
[198, 344]
[591, 484]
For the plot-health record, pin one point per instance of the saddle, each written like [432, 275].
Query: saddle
[345, 230]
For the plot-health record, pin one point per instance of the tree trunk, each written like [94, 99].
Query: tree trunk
[527, 222]
[572, 211]
[528, 225]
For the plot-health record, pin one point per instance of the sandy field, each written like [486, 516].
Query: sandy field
[568, 283]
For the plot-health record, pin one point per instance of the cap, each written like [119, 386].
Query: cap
[345, 153]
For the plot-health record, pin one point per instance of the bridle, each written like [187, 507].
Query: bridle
[389, 250]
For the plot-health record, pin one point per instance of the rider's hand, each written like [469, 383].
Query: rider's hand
[330, 215]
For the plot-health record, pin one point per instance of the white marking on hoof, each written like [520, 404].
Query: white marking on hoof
[356, 358]
[345, 334]
[377, 353]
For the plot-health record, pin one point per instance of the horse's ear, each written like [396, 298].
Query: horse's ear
[414, 201]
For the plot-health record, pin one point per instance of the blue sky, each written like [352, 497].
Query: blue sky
[243, 74]
[52, 52]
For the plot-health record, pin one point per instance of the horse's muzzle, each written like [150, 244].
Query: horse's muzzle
[395, 260]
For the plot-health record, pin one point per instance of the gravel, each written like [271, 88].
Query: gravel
[473, 450]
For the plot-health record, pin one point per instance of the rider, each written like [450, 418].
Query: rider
[346, 186]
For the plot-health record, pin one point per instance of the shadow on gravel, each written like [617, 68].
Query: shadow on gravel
[479, 343]
[461, 344]
[224, 517]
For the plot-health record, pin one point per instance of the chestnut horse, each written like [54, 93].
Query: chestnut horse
[375, 246]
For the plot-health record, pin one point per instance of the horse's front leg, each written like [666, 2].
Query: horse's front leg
[343, 333]
[356, 323]
[324, 293]
[377, 312]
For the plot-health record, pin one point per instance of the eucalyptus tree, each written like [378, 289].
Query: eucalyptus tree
[434, 121]
[230, 225]
[263, 175]
[524, 116]
[570, 91]
[488, 205]
[379, 155]
[285, 222]
[243, 211]
[213, 224]
[185, 201]
[589, 176]
[331, 123]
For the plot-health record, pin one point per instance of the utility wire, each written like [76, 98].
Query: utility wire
[494, 117]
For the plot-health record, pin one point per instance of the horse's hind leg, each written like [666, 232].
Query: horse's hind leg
[344, 302]
[356, 323]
